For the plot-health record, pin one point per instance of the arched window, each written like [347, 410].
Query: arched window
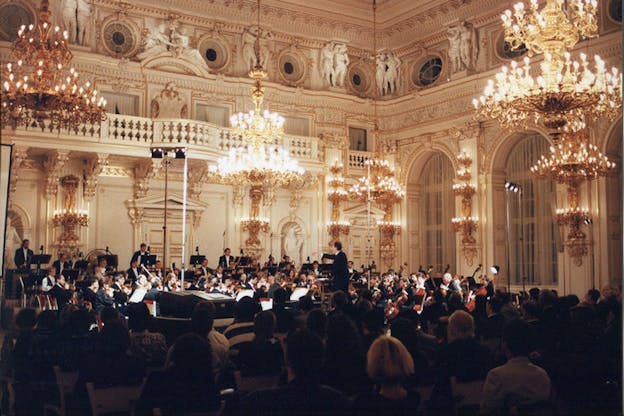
[438, 208]
[533, 253]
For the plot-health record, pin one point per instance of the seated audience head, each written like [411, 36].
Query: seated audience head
[280, 296]
[26, 318]
[303, 355]
[109, 314]
[191, 355]
[264, 325]
[66, 313]
[534, 293]
[460, 326]
[495, 305]
[306, 303]
[246, 309]
[592, 296]
[405, 331]
[47, 320]
[388, 362]
[317, 322]
[80, 322]
[339, 300]
[113, 341]
[138, 317]
[342, 335]
[202, 318]
[517, 338]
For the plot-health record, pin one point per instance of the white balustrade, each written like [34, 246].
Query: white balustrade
[357, 158]
[143, 132]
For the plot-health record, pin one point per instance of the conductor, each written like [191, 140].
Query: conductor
[340, 271]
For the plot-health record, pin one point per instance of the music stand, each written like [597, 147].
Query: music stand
[71, 275]
[195, 260]
[326, 268]
[271, 270]
[306, 266]
[111, 260]
[81, 265]
[149, 260]
[243, 261]
[40, 259]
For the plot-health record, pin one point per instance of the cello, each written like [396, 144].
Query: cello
[470, 304]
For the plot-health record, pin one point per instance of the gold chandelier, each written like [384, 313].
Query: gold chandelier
[40, 85]
[70, 218]
[565, 90]
[336, 195]
[260, 162]
[466, 223]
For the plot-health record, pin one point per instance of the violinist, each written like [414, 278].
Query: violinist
[353, 274]
[219, 273]
[133, 271]
[203, 270]
[270, 262]
[60, 292]
[316, 269]
[120, 291]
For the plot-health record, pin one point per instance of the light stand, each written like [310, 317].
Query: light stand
[368, 224]
[509, 187]
[179, 153]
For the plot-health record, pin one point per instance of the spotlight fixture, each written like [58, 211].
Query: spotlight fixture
[513, 187]
[495, 269]
[160, 152]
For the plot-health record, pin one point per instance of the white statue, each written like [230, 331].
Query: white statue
[387, 74]
[69, 10]
[341, 61]
[12, 242]
[180, 46]
[248, 41]
[293, 243]
[83, 18]
[469, 47]
[156, 43]
[454, 53]
[327, 63]
[463, 48]
[380, 75]
[392, 72]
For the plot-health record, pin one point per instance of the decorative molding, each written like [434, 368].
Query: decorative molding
[93, 168]
[19, 156]
[53, 166]
[144, 172]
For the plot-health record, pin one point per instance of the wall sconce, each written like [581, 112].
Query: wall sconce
[466, 223]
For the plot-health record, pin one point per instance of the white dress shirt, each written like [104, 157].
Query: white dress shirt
[48, 283]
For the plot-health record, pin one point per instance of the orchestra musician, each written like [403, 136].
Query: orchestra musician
[141, 255]
[226, 261]
[353, 274]
[62, 263]
[340, 270]
[49, 281]
[270, 262]
[219, 273]
[23, 256]
[60, 292]
[203, 270]
[133, 272]
[316, 269]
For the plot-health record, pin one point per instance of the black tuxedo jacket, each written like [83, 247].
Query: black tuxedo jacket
[119, 295]
[20, 261]
[223, 261]
[137, 256]
[57, 265]
[61, 295]
[340, 271]
[132, 275]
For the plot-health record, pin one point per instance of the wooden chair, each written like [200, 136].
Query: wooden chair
[66, 383]
[119, 399]
[249, 384]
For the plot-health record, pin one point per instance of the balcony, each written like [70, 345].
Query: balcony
[130, 135]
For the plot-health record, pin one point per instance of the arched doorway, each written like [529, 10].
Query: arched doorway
[613, 195]
[533, 238]
[430, 208]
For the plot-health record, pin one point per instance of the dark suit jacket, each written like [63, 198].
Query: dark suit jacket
[119, 295]
[61, 295]
[340, 271]
[20, 261]
[133, 276]
[137, 256]
[57, 265]
[222, 261]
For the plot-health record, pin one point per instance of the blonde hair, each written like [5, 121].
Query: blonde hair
[460, 326]
[388, 361]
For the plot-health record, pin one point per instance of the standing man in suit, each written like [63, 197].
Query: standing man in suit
[340, 270]
[226, 260]
[62, 263]
[23, 256]
[138, 255]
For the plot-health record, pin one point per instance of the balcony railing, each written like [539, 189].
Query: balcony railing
[141, 132]
[357, 158]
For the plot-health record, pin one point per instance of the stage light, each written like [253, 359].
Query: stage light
[513, 187]
[495, 269]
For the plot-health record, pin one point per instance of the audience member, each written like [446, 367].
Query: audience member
[388, 364]
[517, 383]
[202, 321]
[241, 330]
[148, 346]
[303, 395]
[262, 356]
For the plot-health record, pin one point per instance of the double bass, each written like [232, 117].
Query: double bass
[470, 304]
